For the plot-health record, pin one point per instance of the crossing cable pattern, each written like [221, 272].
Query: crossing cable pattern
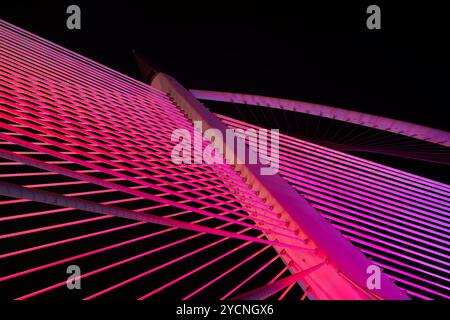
[83, 150]
[398, 219]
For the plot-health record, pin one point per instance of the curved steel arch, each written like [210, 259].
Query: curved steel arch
[377, 122]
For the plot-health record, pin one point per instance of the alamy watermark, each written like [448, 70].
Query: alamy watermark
[73, 21]
[74, 279]
[373, 22]
[374, 279]
[231, 149]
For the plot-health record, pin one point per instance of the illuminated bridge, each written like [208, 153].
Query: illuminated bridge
[86, 179]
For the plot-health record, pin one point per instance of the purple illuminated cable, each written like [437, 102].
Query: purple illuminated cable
[343, 208]
[395, 126]
[355, 162]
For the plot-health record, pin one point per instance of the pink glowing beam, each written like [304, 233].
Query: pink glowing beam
[15, 191]
[279, 274]
[45, 212]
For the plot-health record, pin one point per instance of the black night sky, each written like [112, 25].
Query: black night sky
[322, 53]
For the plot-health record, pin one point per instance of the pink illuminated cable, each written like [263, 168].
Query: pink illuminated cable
[150, 271]
[86, 254]
[409, 267]
[226, 273]
[421, 247]
[38, 213]
[99, 115]
[51, 227]
[305, 294]
[399, 248]
[115, 150]
[412, 276]
[371, 227]
[103, 82]
[84, 236]
[286, 291]
[254, 274]
[12, 190]
[381, 234]
[30, 249]
[412, 206]
[409, 275]
[127, 190]
[380, 187]
[113, 83]
[45, 212]
[279, 274]
[85, 275]
[414, 285]
[387, 250]
[272, 288]
[204, 266]
[96, 70]
[89, 253]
